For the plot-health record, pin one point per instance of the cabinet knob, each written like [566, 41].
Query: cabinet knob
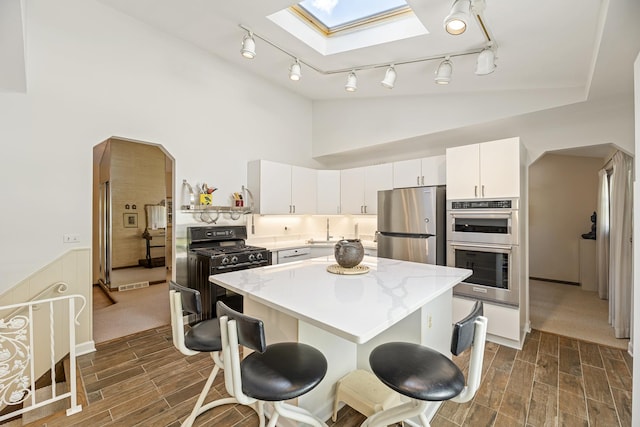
[482, 190]
[475, 190]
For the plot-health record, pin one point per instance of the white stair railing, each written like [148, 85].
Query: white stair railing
[22, 348]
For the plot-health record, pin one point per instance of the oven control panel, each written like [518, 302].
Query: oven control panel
[482, 204]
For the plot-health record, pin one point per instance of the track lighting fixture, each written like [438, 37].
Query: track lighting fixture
[443, 73]
[294, 71]
[248, 46]
[389, 77]
[456, 21]
[486, 62]
[352, 82]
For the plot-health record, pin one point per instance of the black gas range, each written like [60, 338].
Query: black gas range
[215, 250]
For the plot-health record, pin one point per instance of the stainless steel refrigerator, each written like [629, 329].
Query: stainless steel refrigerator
[411, 224]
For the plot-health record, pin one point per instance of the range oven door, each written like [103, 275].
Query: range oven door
[495, 275]
[497, 227]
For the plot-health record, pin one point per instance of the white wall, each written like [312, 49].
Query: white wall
[373, 133]
[93, 73]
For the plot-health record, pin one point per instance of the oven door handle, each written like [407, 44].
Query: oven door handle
[480, 246]
[481, 214]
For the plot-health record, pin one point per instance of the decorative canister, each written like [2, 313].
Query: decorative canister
[349, 252]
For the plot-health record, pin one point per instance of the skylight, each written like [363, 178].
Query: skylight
[334, 26]
[331, 16]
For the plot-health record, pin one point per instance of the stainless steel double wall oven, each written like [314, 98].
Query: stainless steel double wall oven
[483, 236]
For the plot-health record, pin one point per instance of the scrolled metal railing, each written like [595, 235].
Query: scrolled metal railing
[18, 351]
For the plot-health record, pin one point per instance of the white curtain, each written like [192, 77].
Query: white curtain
[156, 216]
[620, 249]
[602, 235]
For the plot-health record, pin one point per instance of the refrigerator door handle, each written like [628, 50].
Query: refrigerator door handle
[410, 235]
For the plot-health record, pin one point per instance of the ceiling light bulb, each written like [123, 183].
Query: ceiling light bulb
[486, 62]
[456, 21]
[352, 82]
[443, 73]
[294, 71]
[248, 46]
[389, 78]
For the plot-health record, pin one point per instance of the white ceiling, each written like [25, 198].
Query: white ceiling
[545, 44]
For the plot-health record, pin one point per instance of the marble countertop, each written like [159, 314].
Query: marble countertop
[354, 307]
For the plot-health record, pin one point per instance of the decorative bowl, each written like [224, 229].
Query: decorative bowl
[348, 252]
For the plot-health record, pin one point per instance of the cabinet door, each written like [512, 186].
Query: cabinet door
[303, 190]
[407, 173]
[352, 191]
[500, 168]
[318, 251]
[433, 170]
[376, 178]
[463, 172]
[275, 187]
[328, 192]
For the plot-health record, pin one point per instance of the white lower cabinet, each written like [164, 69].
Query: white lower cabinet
[503, 322]
[291, 255]
[317, 251]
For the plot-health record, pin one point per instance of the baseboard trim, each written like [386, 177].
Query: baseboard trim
[85, 348]
[564, 282]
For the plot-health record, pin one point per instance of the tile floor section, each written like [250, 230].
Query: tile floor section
[554, 381]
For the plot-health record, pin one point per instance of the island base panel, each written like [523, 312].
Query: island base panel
[431, 326]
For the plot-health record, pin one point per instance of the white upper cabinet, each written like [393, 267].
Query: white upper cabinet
[328, 192]
[303, 190]
[359, 188]
[486, 170]
[352, 191]
[419, 172]
[279, 188]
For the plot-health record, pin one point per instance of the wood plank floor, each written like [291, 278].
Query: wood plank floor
[554, 381]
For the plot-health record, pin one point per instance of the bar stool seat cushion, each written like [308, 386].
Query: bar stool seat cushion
[204, 336]
[416, 371]
[284, 371]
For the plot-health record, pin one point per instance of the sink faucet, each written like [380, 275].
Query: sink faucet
[328, 236]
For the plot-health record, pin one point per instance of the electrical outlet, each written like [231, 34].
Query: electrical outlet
[71, 238]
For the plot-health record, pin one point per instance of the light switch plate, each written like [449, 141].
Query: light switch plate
[71, 238]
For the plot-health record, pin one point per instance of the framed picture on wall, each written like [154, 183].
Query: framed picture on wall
[130, 220]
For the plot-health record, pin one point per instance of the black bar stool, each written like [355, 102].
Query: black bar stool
[202, 337]
[425, 375]
[271, 373]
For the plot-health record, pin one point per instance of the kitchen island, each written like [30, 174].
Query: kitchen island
[347, 316]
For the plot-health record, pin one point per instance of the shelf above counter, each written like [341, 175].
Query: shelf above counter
[221, 209]
[210, 214]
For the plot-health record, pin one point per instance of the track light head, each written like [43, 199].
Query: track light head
[389, 77]
[443, 73]
[456, 21]
[248, 46]
[294, 71]
[352, 82]
[486, 62]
